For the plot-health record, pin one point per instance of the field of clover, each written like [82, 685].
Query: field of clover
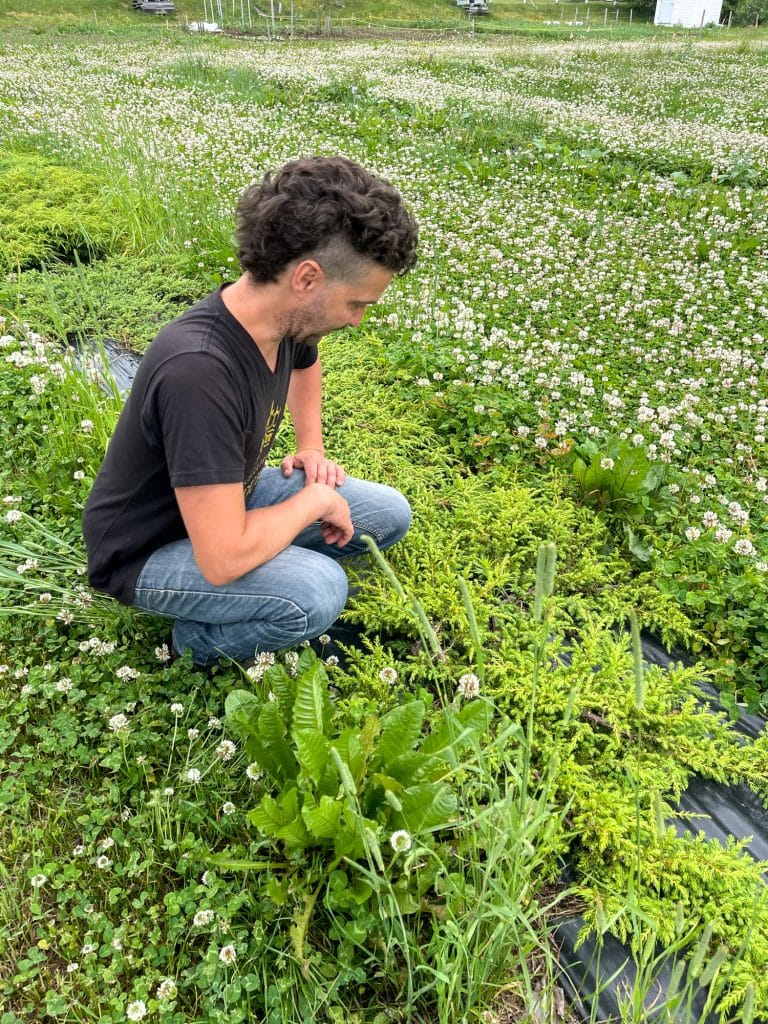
[571, 389]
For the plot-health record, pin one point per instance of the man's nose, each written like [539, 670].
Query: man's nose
[355, 319]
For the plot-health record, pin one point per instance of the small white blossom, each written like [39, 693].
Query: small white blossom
[74, 966]
[469, 686]
[166, 989]
[86, 426]
[103, 862]
[126, 672]
[136, 1010]
[744, 547]
[226, 750]
[118, 723]
[606, 463]
[64, 685]
[177, 709]
[388, 675]
[228, 808]
[253, 773]
[723, 534]
[401, 841]
[227, 954]
[203, 918]
[214, 723]
[693, 533]
[37, 881]
[194, 775]
[162, 654]
[192, 734]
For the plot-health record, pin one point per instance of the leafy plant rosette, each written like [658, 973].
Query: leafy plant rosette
[358, 810]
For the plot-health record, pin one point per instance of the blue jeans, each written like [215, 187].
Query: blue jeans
[294, 596]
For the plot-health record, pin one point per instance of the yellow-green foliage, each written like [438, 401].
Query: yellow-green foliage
[50, 212]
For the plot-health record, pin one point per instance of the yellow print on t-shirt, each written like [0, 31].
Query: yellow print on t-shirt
[270, 429]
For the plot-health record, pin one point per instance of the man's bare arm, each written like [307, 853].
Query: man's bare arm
[228, 540]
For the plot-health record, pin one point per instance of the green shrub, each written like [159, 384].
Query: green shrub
[51, 212]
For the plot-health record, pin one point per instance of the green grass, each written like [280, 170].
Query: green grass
[544, 176]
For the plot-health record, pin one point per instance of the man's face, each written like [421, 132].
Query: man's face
[338, 304]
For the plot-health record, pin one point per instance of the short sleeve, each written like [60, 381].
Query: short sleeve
[192, 411]
[304, 356]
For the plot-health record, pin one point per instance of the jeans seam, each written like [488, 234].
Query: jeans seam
[207, 594]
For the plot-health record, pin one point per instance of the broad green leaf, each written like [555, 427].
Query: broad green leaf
[351, 751]
[241, 709]
[272, 733]
[400, 729]
[427, 806]
[270, 815]
[308, 707]
[314, 751]
[324, 819]
[416, 767]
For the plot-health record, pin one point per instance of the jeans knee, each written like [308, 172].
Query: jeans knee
[324, 597]
[398, 518]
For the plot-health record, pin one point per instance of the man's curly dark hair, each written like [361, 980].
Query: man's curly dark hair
[327, 208]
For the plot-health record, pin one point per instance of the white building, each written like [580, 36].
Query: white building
[688, 13]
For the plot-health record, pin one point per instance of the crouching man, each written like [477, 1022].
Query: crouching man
[185, 520]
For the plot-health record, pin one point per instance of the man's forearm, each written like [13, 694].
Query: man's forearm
[305, 406]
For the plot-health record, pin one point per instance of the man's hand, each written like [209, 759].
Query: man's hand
[317, 469]
[336, 525]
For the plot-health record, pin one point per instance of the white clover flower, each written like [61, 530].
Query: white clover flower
[226, 750]
[291, 662]
[214, 723]
[136, 1010]
[469, 686]
[192, 734]
[255, 672]
[118, 723]
[227, 954]
[388, 675]
[64, 685]
[693, 533]
[710, 519]
[674, 488]
[723, 534]
[86, 426]
[25, 690]
[606, 463]
[78, 850]
[194, 775]
[324, 638]
[12, 499]
[169, 791]
[332, 661]
[38, 881]
[177, 709]
[106, 843]
[253, 773]
[117, 944]
[166, 989]
[88, 948]
[203, 918]
[401, 841]
[162, 654]
[744, 547]
[78, 475]
[45, 598]
[65, 616]
[126, 672]
[228, 808]
[761, 566]
[103, 862]
[72, 967]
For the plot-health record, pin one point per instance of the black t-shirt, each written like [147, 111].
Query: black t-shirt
[204, 409]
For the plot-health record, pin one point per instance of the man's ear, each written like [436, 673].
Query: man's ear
[307, 278]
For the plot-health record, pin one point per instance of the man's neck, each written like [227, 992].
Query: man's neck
[256, 308]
